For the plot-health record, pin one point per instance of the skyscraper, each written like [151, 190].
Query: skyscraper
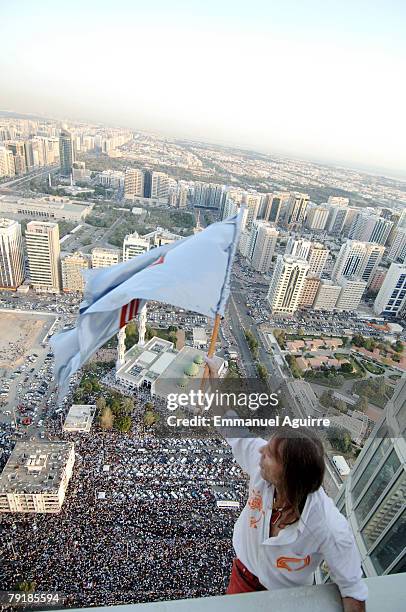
[296, 208]
[287, 284]
[6, 162]
[397, 251]
[317, 258]
[358, 259]
[159, 185]
[262, 246]
[316, 218]
[42, 241]
[373, 497]
[133, 183]
[252, 201]
[72, 266]
[350, 294]
[66, 152]
[12, 269]
[369, 227]
[391, 298]
[298, 247]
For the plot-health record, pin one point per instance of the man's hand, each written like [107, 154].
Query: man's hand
[353, 605]
[213, 369]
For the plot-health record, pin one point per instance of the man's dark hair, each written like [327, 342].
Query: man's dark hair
[301, 454]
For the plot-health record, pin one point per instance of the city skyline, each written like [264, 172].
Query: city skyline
[192, 77]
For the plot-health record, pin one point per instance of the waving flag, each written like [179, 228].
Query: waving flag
[193, 273]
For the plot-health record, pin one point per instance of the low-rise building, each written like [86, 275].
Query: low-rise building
[36, 476]
[55, 208]
[79, 418]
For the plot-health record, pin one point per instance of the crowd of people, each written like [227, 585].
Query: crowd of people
[155, 533]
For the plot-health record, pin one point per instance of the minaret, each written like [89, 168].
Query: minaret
[198, 228]
[120, 348]
[142, 325]
[49, 180]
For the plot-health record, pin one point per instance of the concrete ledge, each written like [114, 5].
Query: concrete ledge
[386, 594]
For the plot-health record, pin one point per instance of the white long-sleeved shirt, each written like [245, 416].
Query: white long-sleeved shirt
[291, 558]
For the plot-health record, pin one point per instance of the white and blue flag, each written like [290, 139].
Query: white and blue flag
[193, 273]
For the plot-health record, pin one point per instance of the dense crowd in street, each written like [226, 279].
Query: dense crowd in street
[155, 533]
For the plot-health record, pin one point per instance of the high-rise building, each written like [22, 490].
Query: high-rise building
[66, 152]
[309, 292]
[296, 209]
[159, 185]
[373, 496]
[29, 155]
[402, 220]
[327, 296]
[316, 218]
[182, 193]
[298, 247]
[274, 205]
[391, 298]
[358, 259]
[7, 167]
[133, 183]
[208, 195]
[18, 151]
[42, 242]
[104, 258]
[397, 251]
[287, 284]
[350, 294]
[369, 227]
[134, 245]
[336, 219]
[377, 280]
[349, 218]
[252, 201]
[317, 258]
[12, 269]
[73, 265]
[262, 245]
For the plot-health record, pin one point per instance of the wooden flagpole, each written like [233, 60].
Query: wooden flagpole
[212, 348]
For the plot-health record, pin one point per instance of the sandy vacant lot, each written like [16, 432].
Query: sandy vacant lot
[18, 332]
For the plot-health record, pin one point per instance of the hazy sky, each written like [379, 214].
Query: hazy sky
[321, 79]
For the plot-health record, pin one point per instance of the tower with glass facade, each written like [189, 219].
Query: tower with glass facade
[374, 495]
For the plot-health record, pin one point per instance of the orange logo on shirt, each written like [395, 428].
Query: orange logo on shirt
[292, 564]
[255, 503]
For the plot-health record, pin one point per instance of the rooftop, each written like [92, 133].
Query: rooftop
[35, 467]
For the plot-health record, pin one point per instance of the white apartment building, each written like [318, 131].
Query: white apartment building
[160, 183]
[134, 245]
[262, 245]
[133, 183]
[298, 247]
[112, 178]
[72, 265]
[296, 208]
[317, 258]
[391, 298]
[7, 167]
[104, 258]
[358, 259]
[316, 218]
[244, 242]
[12, 268]
[287, 284]
[36, 476]
[253, 202]
[370, 227]
[350, 294]
[337, 216]
[43, 251]
[327, 296]
[274, 206]
[397, 251]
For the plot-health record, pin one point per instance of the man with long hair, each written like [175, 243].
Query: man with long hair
[289, 525]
